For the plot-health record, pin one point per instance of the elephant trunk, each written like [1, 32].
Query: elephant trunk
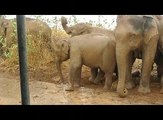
[122, 62]
[64, 25]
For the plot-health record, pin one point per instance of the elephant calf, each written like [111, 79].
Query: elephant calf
[61, 51]
[92, 50]
[61, 54]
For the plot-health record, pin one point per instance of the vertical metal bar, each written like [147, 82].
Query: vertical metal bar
[23, 59]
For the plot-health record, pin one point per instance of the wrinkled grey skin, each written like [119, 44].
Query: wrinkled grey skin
[135, 33]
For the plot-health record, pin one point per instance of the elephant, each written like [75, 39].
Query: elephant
[99, 52]
[61, 56]
[83, 28]
[135, 33]
[60, 48]
[61, 53]
[34, 27]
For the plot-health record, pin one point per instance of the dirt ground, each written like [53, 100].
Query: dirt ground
[45, 90]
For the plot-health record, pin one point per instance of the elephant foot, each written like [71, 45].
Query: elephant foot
[69, 88]
[130, 84]
[114, 85]
[105, 88]
[161, 91]
[144, 90]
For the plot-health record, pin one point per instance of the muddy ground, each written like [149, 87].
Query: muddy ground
[46, 90]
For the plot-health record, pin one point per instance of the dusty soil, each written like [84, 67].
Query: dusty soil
[46, 90]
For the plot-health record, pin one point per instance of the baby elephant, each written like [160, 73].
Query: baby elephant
[61, 53]
[95, 51]
[61, 50]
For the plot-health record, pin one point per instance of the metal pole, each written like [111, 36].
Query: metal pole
[23, 59]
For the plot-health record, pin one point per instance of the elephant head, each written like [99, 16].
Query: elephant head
[78, 29]
[61, 51]
[83, 28]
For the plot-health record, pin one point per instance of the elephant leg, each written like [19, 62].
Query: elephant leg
[75, 71]
[100, 75]
[148, 60]
[129, 82]
[122, 62]
[109, 73]
[161, 91]
[58, 65]
[108, 81]
[94, 72]
[77, 77]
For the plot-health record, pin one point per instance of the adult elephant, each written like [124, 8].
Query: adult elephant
[34, 27]
[135, 33]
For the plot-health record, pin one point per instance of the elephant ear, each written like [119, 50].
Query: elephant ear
[65, 47]
[149, 27]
